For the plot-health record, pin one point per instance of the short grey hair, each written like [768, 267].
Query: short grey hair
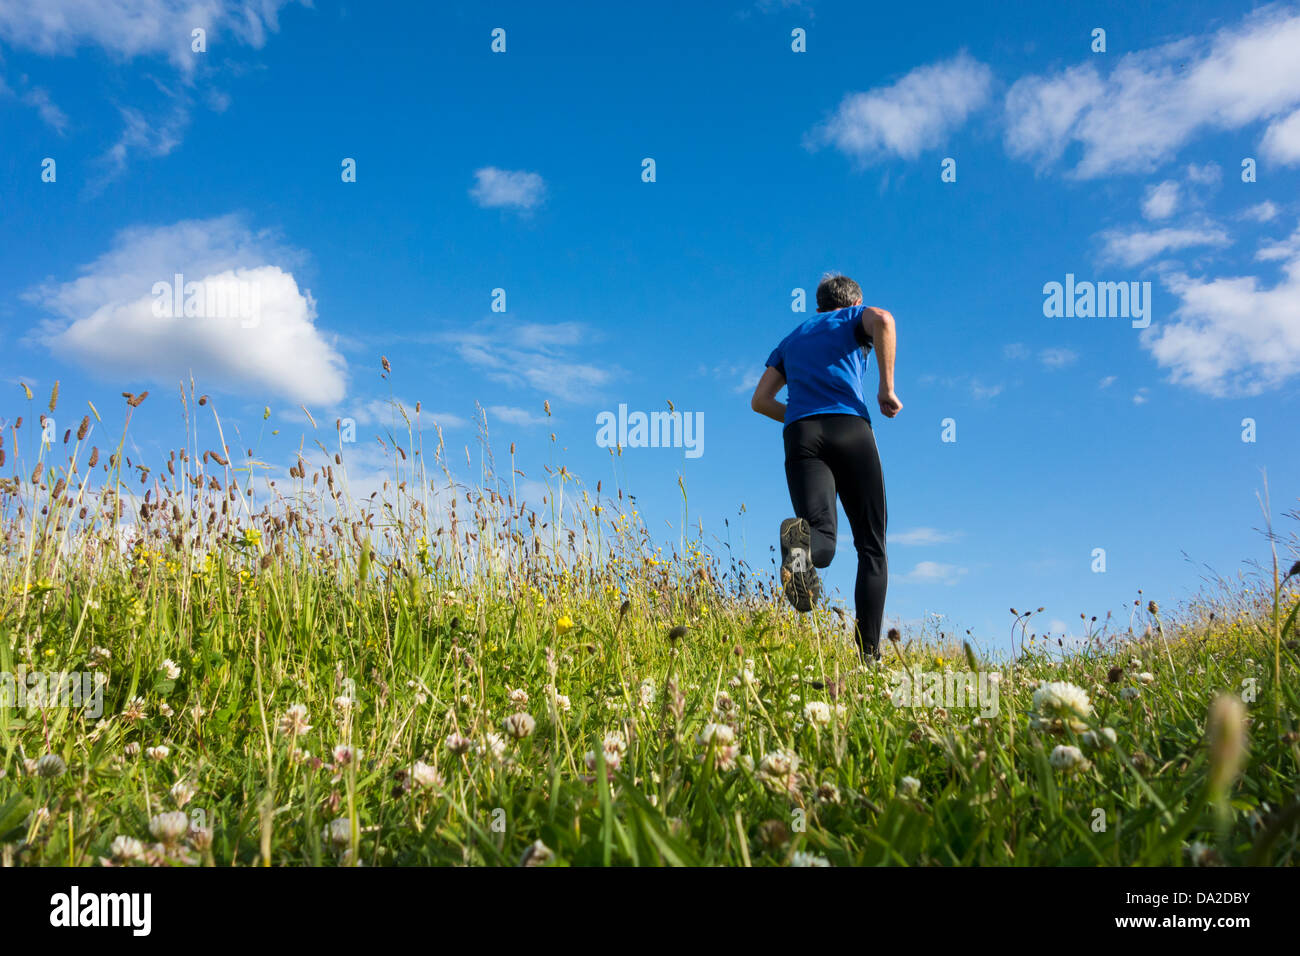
[837, 291]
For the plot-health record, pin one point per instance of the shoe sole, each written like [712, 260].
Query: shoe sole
[799, 577]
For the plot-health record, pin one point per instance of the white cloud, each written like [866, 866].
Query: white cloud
[1058, 357]
[515, 416]
[1155, 101]
[507, 189]
[916, 113]
[1282, 141]
[1015, 350]
[38, 99]
[144, 136]
[923, 536]
[1106, 382]
[1261, 212]
[1161, 201]
[1285, 249]
[388, 412]
[1232, 335]
[1134, 248]
[132, 28]
[932, 571]
[534, 354]
[105, 319]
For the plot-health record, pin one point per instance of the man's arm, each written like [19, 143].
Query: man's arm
[764, 401]
[879, 325]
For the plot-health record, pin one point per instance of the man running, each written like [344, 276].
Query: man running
[830, 448]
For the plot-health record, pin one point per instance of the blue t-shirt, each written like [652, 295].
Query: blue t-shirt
[822, 361]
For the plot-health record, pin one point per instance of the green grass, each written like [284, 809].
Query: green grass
[427, 618]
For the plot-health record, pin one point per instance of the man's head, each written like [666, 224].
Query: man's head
[837, 292]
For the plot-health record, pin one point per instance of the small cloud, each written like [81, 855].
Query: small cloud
[1206, 174]
[1015, 351]
[507, 189]
[515, 416]
[1161, 201]
[980, 391]
[1134, 248]
[1058, 357]
[1261, 212]
[934, 571]
[1282, 141]
[918, 112]
[536, 355]
[1106, 382]
[1140, 397]
[924, 536]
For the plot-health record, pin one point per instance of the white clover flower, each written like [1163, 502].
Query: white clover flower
[124, 849]
[1146, 677]
[563, 704]
[169, 827]
[458, 743]
[613, 760]
[294, 720]
[344, 755]
[802, 858]
[1129, 693]
[159, 752]
[1092, 739]
[519, 697]
[817, 713]
[493, 746]
[182, 793]
[170, 668]
[338, 832]
[1061, 700]
[425, 776]
[647, 692]
[165, 709]
[828, 793]
[778, 771]
[1068, 758]
[132, 749]
[344, 702]
[909, 787]
[720, 734]
[520, 725]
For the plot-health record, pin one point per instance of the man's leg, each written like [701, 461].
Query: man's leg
[855, 462]
[812, 485]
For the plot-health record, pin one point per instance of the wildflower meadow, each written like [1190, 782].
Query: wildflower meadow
[207, 664]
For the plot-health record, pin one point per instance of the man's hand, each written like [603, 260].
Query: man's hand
[889, 403]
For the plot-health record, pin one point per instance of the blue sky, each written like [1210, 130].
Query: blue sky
[522, 170]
